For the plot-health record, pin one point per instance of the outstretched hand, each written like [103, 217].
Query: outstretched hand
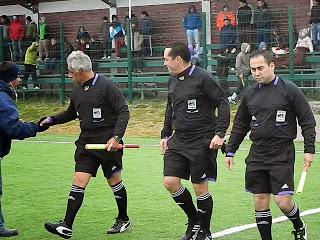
[44, 123]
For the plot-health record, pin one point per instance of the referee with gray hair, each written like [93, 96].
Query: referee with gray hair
[103, 115]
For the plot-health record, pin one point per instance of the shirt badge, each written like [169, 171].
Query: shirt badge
[281, 116]
[192, 104]
[96, 112]
[181, 78]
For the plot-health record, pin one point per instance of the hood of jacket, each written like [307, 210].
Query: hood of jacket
[245, 48]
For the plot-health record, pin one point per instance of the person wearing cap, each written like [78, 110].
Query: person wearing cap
[221, 17]
[31, 31]
[10, 125]
[228, 36]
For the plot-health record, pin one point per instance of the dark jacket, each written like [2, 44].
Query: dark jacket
[193, 98]
[10, 125]
[315, 14]
[245, 16]
[270, 112]
[228, 36]
[146, 26]
[262, 18]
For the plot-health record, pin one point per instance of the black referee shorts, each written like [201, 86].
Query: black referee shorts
[88, 161]
[189, 155]
[271, 172]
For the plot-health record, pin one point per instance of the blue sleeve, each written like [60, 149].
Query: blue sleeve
[184, 22]
[10, 123]
[200, 22]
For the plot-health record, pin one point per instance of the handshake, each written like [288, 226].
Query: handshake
[44, 123]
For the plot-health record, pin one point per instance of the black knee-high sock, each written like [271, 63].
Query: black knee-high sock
[184, 199]
[205, 206]
[264, 223]
[294, 216]
[120, 194]
[75, 200]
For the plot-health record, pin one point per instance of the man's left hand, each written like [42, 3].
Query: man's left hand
[113, 145]
[308, 159]
[216, 142]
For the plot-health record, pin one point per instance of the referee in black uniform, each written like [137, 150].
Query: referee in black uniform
[196, 119]
[269, 109]
[103, 115]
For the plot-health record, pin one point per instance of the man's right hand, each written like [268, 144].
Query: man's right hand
[163, 145]
[44, 123]
[229, 162]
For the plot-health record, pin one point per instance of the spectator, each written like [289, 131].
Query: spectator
[117, 34]
[44, 39]
[84, 46]
[304, 44]
[68, 48]
[30, 66]
[5, 23]
[95, 47]
[146, 30]
[278, 39]
[16, 34]
[262, 46]
[192, 22]
[315, 24]
[82, 34]
[137, 49]
[225, 13]
[262, 20]
[243, 68]
[245, 21]
[31, 31]
[228, 36]
[53, 60]
[107, 42]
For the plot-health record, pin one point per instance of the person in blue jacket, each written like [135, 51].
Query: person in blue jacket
[192, 22]
[10, 125]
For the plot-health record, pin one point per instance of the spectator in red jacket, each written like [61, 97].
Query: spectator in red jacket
[16, 35]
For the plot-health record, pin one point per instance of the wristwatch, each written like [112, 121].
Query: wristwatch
[117, 138]
[220, 134]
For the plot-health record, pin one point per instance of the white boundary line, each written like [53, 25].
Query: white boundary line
[242, 228]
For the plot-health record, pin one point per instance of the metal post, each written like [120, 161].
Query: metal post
[62, 65]
[291, 43]
[2, 42]
[130, 61]
[204, 42]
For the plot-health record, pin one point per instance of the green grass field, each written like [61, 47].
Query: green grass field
[37, 179]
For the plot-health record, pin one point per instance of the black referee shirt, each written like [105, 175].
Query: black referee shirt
[271, 112]
[100, 107]
[193, 98]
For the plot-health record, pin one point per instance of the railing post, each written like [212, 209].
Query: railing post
[204, 42]
[1, 44]
[130, 60]
[62, 65]
[291, 43]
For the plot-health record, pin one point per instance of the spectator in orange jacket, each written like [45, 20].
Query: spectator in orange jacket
[225, 13]
[16, 34]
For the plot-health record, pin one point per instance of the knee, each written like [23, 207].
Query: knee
[285, 205]
[172, 185]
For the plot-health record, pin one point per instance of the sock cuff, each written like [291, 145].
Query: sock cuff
[77, 189]
[179, 192]
[117, 187]
[293, 211]
[204, 196]
[263, 214]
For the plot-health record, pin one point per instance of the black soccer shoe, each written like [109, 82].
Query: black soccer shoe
[60, 228]
[202, 235]
[300, 234]
[119, 226]
[7, 232]
[192, 229]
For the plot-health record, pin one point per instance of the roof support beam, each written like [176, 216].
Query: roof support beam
[111, 3]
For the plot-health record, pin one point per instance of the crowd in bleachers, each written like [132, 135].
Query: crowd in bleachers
[252, 26]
